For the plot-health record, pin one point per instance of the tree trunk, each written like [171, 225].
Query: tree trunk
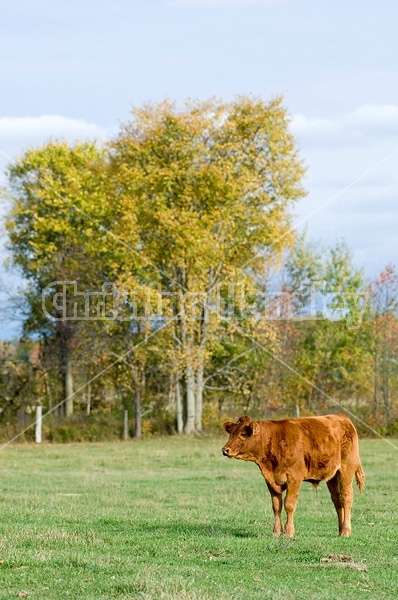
[375, 387]
[137, 408]
[309, 398]
[203, 339]
[189, 375]
[68, 386]
[386, 394]
[199, 398]
[64, 338]
[47, 387]
[125, 424]
[88, 398]
[190, 400]
[180, 423]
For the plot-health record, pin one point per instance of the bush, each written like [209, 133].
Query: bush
[84, 428]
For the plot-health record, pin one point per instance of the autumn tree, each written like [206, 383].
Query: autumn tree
[384, 302]
[205, 190]
[330, 348]
[20, 380]
[59, 197]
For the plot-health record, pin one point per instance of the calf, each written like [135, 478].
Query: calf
[290, 451]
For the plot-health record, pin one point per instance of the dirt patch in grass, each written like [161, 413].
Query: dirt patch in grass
[342, 560]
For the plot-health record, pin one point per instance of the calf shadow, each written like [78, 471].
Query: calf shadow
[185, 529]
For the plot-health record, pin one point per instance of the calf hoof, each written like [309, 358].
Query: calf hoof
[345, 533]
[277, 532]
[289, 533]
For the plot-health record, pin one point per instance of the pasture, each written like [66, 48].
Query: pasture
[171, 518]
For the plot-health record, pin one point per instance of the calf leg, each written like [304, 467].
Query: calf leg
[292, 492]
[346, 497]
[334, 489]
[277, 508]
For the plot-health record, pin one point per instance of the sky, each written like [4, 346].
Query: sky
[73, 70]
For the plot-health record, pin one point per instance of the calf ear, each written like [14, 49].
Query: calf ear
[256, 428]
[228, 426]
[247, 430]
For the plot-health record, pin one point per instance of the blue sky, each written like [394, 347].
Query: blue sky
[86, 59]
[73, 69]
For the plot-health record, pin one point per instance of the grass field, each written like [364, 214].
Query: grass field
[171, 518]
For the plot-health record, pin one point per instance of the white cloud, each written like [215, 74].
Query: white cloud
[33, 130]
[317, 131]
[360, 126]
[19, 133]
[381, 120]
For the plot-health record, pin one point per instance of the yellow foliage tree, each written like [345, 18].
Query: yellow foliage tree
[204, 194]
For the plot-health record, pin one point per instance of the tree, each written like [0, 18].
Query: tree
[204, 192]
[21, 386]
[55, 188]
[332, 348]
[384, 302]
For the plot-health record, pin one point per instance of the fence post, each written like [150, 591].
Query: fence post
[297, 410]
[126, 424]
[38, 424]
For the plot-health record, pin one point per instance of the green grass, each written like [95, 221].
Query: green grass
[171, 518]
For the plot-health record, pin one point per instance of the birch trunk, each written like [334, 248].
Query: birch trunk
[375, 386]
[48, 388]
[203, 339]
[125, 424]
[68, 387]
[190, 400]
[139, 390]
[188, 413]
[199, 398]
[180, 423]
[137, 409]
[88, 398]
[386, 395]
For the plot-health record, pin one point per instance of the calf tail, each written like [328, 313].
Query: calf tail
[360, 478]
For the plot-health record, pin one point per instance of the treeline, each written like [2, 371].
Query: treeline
[164, 276]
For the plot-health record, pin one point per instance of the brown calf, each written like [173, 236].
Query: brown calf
[291, 451]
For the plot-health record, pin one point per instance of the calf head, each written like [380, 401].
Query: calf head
[243, 438]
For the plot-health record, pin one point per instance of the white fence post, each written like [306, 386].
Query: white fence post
[297, 410]
[38, 424]
[126, 424]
